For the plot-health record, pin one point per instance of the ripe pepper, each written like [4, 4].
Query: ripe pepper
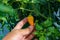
[30, 20]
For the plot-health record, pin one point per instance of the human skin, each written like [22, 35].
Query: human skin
[20, 34]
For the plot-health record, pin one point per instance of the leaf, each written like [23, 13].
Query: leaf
[3, 18]
[25, 1]
[37, 33]
[5, 1]
[47, 23]
[35, 1]
[48, 33]
[51, 29]
[58, 0]
[39, 1]
[43, 1]
[39, 27]
[7, 9]
[42, 38]
[0, 0]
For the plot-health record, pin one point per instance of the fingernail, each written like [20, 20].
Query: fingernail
[25, 19]
[31, 27]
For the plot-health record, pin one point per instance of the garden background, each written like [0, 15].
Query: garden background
[46, 15]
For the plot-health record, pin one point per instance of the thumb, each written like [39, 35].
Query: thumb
[27, 31]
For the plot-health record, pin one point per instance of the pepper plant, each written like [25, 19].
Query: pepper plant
[46, 15]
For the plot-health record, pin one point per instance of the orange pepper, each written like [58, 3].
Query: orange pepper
[30, 20]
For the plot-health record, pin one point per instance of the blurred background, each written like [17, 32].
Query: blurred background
[46, 15]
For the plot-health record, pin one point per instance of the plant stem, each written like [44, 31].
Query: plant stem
[37, 11]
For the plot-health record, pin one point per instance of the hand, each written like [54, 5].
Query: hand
[20, 34]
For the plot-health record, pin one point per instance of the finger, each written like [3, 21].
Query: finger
[21, 23]
[30, 33]
[30, 37]
[27, 31]
[35, 39]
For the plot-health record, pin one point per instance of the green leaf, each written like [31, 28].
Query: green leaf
[42, 38]
[48, 33]
[35, 1]
[3, 18]
[7, 9]
[36, 33]
[39, 1]
[51, 29]
[5, 1]
[47, 23]
[39, 27]
[25, 1]
[58, 0]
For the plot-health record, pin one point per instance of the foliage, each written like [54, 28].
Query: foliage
[45, 12]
